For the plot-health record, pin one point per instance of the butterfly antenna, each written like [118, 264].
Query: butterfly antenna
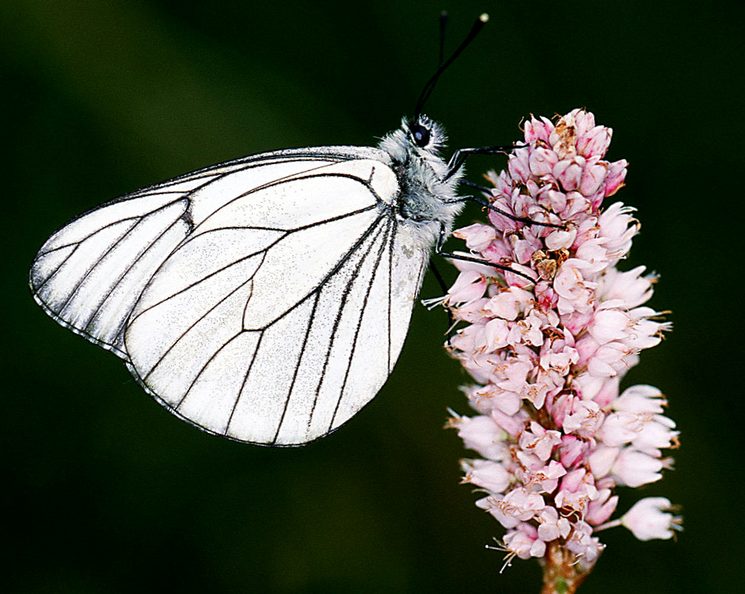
[432, 82]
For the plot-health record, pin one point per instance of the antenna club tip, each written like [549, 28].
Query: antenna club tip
[484, 17]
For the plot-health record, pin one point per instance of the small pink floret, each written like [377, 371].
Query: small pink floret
[649, 518]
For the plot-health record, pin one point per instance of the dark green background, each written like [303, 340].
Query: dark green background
[107, 492]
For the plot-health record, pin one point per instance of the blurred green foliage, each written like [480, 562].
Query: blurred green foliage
[106, 492]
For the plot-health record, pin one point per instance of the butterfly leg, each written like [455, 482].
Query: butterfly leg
[486, 204]
[465, 258]
[438, 277]
[459, 156]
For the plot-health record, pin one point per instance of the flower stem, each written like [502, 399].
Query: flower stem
[561, 572]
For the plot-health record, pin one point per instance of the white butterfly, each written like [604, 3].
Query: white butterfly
[265, 299]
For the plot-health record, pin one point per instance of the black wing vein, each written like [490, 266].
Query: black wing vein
[358, 242]
[206, 364]
[315, 292]
[204, 278]
[106, 226]
[297, 366]
[127, 271]
[191, 326]
[91, 268]
[382, 248]
[337, 321]
[245, 380]
[292, 178]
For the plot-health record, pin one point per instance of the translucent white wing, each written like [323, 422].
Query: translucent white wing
[88, 275]
[266, 300]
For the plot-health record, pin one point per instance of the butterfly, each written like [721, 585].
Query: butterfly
[264, 299]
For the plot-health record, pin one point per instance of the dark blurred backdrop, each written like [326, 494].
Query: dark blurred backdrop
[106, 492]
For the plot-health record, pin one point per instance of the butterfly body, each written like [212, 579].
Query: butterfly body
[265, 299]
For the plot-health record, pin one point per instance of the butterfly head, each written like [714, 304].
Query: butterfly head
[417, 143]
[424, 133]
[428, 188]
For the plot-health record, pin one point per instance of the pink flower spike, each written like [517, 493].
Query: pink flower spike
[549, 342]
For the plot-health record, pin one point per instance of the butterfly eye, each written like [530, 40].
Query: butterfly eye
[420, 134]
